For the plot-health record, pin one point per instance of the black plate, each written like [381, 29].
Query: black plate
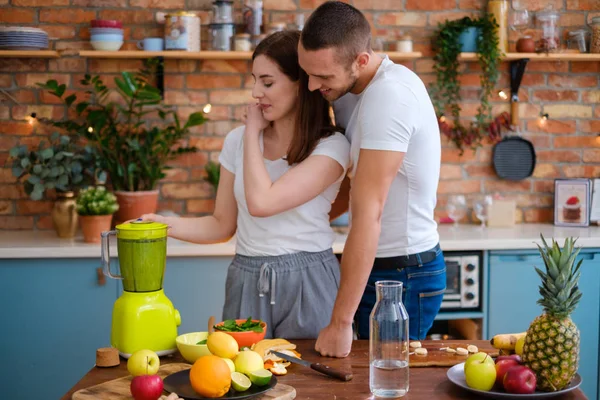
[179, 382]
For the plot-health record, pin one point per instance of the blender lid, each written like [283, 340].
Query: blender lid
[142, 230]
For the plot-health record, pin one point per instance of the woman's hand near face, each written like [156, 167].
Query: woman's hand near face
[255, 121]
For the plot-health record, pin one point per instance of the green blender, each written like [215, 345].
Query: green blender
[143, 317]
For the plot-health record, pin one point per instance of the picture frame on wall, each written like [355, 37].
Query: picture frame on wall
[572, 202]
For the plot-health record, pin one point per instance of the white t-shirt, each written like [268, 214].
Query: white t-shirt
[395, 113]
[304, 228]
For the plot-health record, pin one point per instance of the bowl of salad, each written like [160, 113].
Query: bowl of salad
[246, 332]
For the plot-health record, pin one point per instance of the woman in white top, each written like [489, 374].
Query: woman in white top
[280, 174]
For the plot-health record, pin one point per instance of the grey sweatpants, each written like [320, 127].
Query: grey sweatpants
[292, 293]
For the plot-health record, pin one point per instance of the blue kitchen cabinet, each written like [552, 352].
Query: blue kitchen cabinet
[513, 292]
[196, 286]
[54, 317]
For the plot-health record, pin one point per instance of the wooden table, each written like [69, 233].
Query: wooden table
[425, 383]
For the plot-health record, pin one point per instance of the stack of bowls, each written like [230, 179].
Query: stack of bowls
[106, 34]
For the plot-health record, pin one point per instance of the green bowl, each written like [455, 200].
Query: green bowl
[186, 344]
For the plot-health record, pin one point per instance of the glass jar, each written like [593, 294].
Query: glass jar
[577, 41]
[253, 15]
[595, 41]
[243, 42]
[221, 35]
[388, 342]
[499, 10]
[548, 23]
[223, 11]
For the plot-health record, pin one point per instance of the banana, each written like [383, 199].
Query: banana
[506, 341]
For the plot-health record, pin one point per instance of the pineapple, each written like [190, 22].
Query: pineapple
[551, 346]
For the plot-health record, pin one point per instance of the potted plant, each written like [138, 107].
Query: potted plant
[448, 44]
[213, 174]
[60, 165]
[134, 151]
[95, 206]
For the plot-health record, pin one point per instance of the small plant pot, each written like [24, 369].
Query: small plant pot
[93, 225]
[133, 204]
[468, 40]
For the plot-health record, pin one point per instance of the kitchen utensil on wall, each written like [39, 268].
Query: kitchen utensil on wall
[143, 317]
[514, 157]
[324, 369]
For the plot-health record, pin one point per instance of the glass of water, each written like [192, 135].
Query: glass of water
[456, 208]
[388, 342]
[480, 206]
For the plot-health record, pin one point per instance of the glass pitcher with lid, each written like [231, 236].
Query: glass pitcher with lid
[142, 248]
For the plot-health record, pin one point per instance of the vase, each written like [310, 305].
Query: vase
[93, 225]
[132, 205]
[64, 215]
[468, 40]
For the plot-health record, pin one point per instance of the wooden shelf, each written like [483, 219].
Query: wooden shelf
[539, 56]
[29, 53]
[204, 55]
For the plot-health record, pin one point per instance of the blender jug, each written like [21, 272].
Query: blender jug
[142, 247]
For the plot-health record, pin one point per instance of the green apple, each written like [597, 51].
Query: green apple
[478, 357]
[143, 362]
[481, 375]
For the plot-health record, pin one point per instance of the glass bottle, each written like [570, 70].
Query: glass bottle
[388, 342]
[499, 10]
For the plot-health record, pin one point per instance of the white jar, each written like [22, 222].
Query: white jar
[404, 45]
[242, 42]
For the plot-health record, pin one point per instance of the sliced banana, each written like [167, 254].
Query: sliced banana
[415, 345]
[450, 350]
[472, 348]
[421, 351]
[462, 351]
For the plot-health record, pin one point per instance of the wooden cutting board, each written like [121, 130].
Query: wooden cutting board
[118, 389]
[441, 358]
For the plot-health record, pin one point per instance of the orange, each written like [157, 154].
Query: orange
[210, 376]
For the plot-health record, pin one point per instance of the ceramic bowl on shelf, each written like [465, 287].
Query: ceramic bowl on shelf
[106, 37]
[188, 346]
[106, 46]
[105, 23]
[101, 31]
[246, 338]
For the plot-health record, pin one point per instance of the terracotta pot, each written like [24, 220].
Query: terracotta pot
[526, 45]
[133, 204]
[93, 225]
[64, 215]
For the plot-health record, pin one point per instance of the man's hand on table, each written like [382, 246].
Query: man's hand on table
[335, 340]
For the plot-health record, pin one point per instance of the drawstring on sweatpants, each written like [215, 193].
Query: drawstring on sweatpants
[263, 281]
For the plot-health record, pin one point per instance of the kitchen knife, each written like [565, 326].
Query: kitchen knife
[324, 369]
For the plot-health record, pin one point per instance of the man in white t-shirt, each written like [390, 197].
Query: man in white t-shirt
[395, 150]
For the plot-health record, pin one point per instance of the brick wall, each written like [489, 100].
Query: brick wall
[569, 92]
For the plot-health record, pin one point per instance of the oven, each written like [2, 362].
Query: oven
[464, 281]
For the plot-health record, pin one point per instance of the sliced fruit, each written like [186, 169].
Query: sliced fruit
[240, 382]
[260, 377]
[278, 369]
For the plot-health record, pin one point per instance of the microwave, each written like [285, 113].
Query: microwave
[464, 281]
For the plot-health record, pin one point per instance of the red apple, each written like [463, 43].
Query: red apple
[146, 387]
[519, 379]
[515, 357]
[501, 367]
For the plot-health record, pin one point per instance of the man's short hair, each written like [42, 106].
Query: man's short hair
[337, 25]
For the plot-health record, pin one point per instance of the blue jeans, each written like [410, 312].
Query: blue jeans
[422, 294]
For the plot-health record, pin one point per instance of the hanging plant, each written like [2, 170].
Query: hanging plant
[446, 90]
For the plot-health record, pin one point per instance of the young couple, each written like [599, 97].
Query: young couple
[284, 176]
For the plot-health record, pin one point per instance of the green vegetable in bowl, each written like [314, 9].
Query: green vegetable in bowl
[202, 342]
[229, 325]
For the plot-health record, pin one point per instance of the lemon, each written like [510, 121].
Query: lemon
[240, 382]
[260, 377]
[229, 364]
[222, 345]
[248, 361]
[519, 345]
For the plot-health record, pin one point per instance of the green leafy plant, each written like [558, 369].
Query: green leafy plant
[133, 150]
[213, 172]
[446, 90]
[229, 325]
[60, 163]
[96, 200]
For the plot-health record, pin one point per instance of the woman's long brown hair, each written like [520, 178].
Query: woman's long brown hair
[312, 119]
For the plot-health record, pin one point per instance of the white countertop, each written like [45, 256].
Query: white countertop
[45, 244]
